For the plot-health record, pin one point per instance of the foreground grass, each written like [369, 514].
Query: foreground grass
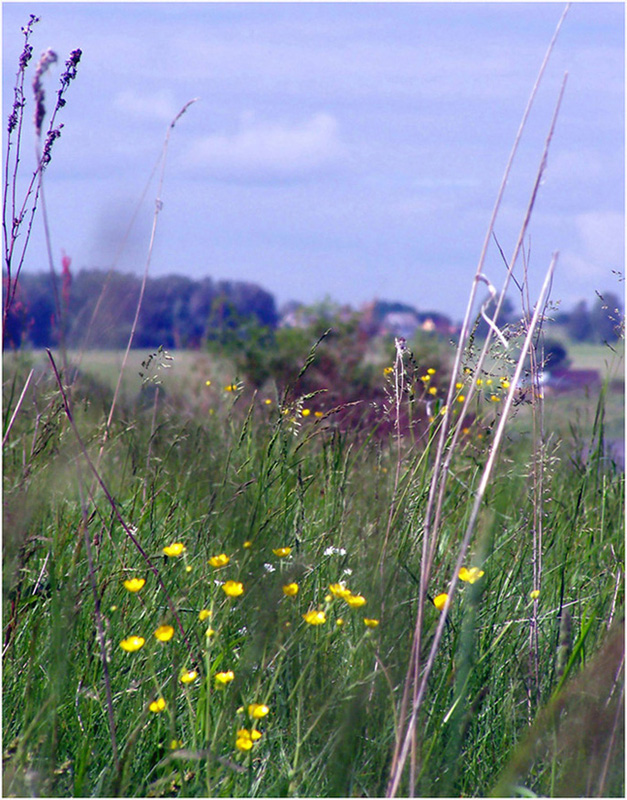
[270, 497]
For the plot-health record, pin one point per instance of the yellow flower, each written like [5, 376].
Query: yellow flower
[433, 390]
[134, 584]
[388, 370]
[318, 414]
[188, 676]
[443, 410]
[505, 383]
[458, 385]
[315, 617]
[247, 544]
[204, 614]
[258, 710]
[224, 677]
[461, 398]
[339, 622]
[281, 552]
[305, 412]
[267, 401]
[219, 561]
[207, 383]
[164, 633]
[440, 601]
[209, 633]
[253, 734]
[175, 549]
[175, 744]
[355, 600]
[132, 643]
[339, 590]
[534, 594]
[479, 382]
[371, 623]
[232, 387]
[243, 743]
[290, 590]
[430, 371]
[233, 588]
[157, 705]
[470, 575]
[425, 378]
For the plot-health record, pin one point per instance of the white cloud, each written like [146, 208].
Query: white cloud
[599, 251]
[269, 150]
[575, 167]
[602, 234]
[146, 106]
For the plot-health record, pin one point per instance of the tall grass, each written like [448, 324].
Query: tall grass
[247, 474]
[245, 595]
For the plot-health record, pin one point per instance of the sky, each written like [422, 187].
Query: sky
[350, 151]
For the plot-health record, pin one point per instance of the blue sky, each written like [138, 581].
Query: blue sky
[353, 150]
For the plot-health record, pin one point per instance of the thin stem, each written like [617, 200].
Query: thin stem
[441, 465]
[158, 207]
[487, 472]
[101, 634]
[18, 405]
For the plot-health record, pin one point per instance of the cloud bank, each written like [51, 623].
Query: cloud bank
[268, 151]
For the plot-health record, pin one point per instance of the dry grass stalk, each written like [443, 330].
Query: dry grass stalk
[446, 448]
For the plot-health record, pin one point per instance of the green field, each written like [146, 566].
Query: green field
[268, 649]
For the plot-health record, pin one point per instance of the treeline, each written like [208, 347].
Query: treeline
[95, 308]
[603, 321]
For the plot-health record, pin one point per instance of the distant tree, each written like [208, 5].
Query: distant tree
[16, 322]
[176, 310]
[579, 325]
[115, 295]
[40, 305]
[249, 300]
[164, 318]
[555, 355]
[199, 308]
[606, 317]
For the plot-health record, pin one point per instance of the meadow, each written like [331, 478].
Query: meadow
[314, 570]
[217, 594]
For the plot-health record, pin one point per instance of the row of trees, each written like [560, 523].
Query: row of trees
[602, 322]
[96, 309]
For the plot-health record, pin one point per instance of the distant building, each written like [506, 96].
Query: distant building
[399, 323]
[377, 318]
[434, 322]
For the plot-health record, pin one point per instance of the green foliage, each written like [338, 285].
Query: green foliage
[176, 311]
[262, 356]
[555, 355]
[604, 322]
[248, 479]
